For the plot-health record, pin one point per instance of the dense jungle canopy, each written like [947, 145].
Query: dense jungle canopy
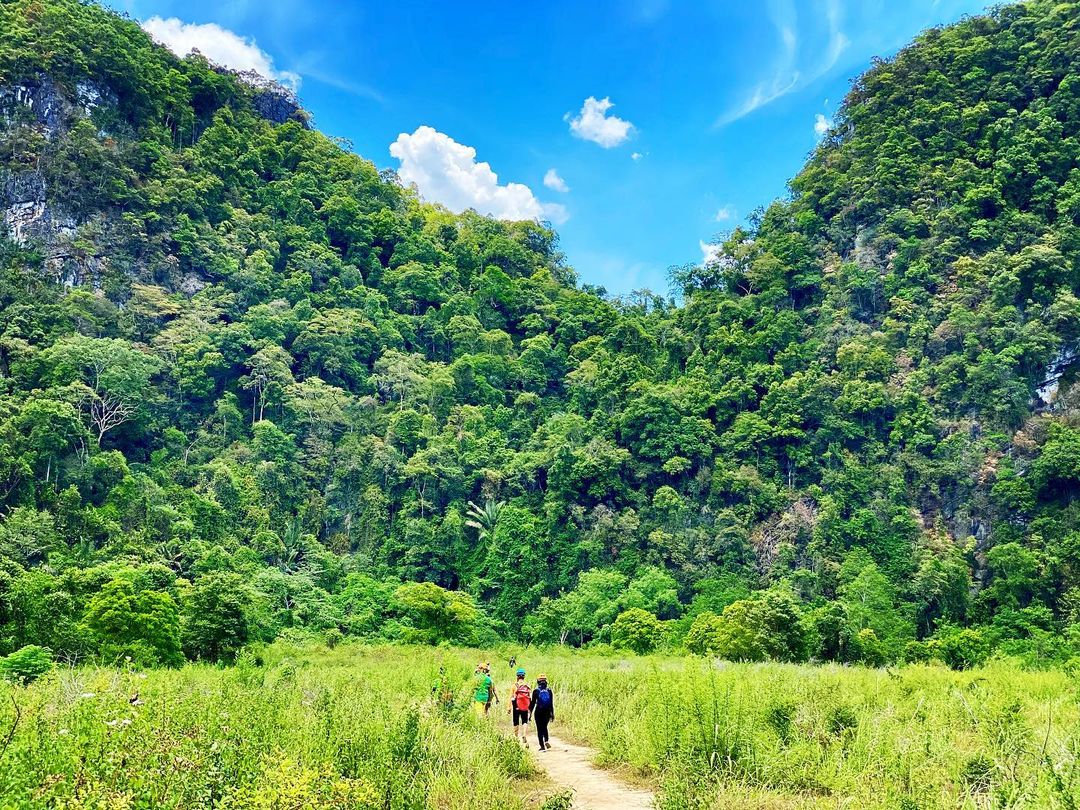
[251, 385]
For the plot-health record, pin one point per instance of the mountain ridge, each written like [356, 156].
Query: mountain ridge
[238, 358]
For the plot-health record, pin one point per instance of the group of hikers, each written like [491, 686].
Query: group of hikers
[526, 703]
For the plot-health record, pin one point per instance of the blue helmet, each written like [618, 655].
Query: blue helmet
[521, 672]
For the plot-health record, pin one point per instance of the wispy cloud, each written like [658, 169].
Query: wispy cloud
[838, 40]
[787, 75]
[349, 86]
[726, 213]
[647, 11]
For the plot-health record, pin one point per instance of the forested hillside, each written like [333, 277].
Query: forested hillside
[248, 384]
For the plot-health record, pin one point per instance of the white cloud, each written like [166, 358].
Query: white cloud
[821, 125]
[594, 124]
[219, 45]
[710, 254]
[554, 182]
[446, 172]
[726, 213]
[636, 156]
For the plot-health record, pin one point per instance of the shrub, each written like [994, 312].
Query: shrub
[563, 800]
[638, 630]
[142, 625]
[26, 664]
[841, 719]
[768, 625]
[701, 638]
[287, 782]
[216, 620]
[978, 772]
[916, 652]
[333, 637]
[960, 648]
[868, 648]
[780, 716]
[435, 614]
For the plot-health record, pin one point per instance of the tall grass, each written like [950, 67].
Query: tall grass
[351, 729]
[777, 735]
[356, 728]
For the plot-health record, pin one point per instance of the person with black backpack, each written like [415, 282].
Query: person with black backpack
[543, 711]
[520, 706]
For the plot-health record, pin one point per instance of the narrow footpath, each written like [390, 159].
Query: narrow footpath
[571, 766]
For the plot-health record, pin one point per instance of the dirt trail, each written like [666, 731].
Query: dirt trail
[570, 766]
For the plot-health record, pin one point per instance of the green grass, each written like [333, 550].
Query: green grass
[345, 729]
[777, 735]
[354, 727]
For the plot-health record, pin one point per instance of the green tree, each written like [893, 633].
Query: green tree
[217, 616]
[869, 602]
[484, 519]
[111, 379]
[769, 625]
[592, 605]
[143, 625]
[364, 603]
[637, 630]
[654, 591]
[1015, 577]
[438, 614]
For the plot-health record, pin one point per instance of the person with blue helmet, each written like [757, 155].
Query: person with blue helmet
[520, 706]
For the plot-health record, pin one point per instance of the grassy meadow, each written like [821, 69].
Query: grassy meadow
[355, 727]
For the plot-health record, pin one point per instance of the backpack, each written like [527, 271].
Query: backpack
[543, 699]
[522, 696]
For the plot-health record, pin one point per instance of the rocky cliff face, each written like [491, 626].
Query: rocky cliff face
[1062, 368]
[28, 217]
[272, 100]
[48, 106]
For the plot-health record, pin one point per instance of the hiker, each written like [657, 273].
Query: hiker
[484, 689]
[520, 706]
[543, 711]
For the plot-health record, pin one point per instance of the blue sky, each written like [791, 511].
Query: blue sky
[664, 122]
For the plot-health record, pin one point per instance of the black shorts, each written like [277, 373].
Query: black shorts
[521, 716]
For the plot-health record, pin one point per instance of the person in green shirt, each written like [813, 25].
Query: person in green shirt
[483, 689]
